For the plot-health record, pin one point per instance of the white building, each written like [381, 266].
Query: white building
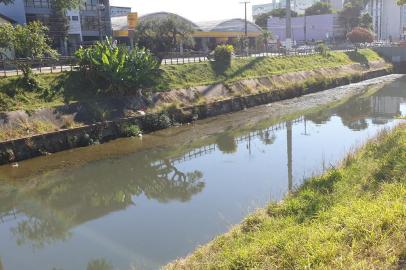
[389, 19]
[265, 8]
[298, 6]
[336, 5]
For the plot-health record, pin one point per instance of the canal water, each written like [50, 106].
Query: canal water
[140, 203]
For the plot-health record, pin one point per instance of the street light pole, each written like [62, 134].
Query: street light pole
[246, 21]
[245, 2]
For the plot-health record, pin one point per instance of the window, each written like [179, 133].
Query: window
[75, 18]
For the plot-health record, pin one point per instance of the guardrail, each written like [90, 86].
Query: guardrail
[48, 65]
[40, 65]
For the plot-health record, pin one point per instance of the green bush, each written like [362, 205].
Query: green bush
[323, 49]
[156, 122]
[130, 130]
[223, 54]
[116, 70]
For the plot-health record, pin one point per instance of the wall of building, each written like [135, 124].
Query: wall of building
[388, 19]
[15, 11]
[308, 28]
[335, 4]
[298, 6]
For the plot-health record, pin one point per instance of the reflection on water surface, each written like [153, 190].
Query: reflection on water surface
[137, 204]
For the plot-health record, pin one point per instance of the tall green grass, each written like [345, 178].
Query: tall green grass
[183, 76]
[58, 89]
[352, 217]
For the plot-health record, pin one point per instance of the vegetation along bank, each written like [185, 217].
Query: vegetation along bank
[74, 102]
[352, 217]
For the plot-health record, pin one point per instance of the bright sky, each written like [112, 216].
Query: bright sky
[194, 10]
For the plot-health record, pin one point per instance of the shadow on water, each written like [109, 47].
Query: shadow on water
[42, 209]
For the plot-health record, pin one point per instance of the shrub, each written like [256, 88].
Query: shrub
[156, 122]
[130, 130]
[223, 54]
[360, 35]
[322, 49]
[116, 70]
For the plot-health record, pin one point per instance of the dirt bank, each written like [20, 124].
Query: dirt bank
[25, 148]
[86, 113]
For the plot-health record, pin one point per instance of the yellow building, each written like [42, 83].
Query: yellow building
[207, 34]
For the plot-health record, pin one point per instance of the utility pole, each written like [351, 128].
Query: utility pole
[288, 26]
[246, 2]
[305, 28]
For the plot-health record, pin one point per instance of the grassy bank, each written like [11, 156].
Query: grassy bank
[183, 76]
[59, 89]
[352, 217]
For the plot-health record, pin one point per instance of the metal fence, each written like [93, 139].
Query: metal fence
[42, 65]
[49, 65]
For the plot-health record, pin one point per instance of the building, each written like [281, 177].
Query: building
[4, 19]
[325, 27]
[15, 11]
[336, 5]
[262, 9]
[119, 11]
[90, 23]
[298, 6]
[207, 35]
[388, 18]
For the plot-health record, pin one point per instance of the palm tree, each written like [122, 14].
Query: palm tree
[265, 37]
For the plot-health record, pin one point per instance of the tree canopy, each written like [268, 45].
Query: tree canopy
[164, 35]
[319, 8]
[351, 14]
[366, 21]
[29, 40]
[262, 20]
[360, 35]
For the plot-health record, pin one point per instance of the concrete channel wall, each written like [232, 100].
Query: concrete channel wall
[45, 144]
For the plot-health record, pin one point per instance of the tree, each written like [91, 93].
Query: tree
[59, 24]
[319, 8]
[164, 35]
[264, 39]
[366, 21]
[262, 20]
[351, 14]
[28, 41]
[281, 13]
[360, 35]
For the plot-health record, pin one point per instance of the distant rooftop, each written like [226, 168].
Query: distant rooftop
[232, 25]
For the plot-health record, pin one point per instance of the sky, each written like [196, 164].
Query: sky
[194, 10]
